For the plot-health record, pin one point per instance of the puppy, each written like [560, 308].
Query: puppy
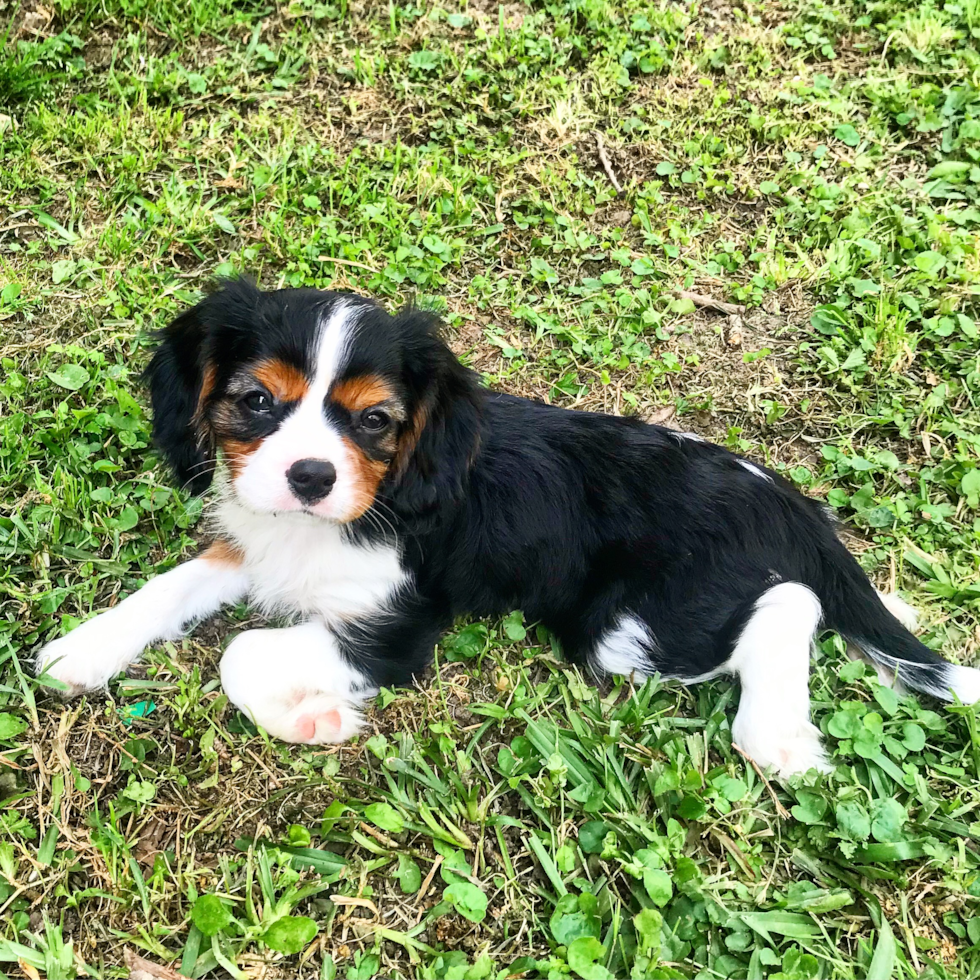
[373, 491]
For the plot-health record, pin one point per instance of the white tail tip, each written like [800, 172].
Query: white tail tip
[964, 682]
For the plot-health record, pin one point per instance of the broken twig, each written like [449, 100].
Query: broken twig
[140, 969]
[709, 303]
[428, 879]
[20, 224]
[780, 809]
[350, 262]
[733, 331]
[606, 165]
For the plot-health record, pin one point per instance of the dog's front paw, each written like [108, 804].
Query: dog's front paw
[294, 684]
[317, 719]
[88, 657]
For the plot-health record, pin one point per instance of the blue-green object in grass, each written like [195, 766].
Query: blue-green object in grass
[139, 710]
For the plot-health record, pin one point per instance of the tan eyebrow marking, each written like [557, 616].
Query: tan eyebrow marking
[361, 392]
[285, 382]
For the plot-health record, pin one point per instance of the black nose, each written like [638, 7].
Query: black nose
[311, 479]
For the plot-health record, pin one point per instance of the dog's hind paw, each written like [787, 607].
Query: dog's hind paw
[788, 752]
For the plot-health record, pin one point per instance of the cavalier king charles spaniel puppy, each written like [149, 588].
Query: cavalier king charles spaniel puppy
[372, 492]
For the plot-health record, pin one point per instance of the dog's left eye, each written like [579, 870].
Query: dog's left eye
[258, 402]
[374, 421]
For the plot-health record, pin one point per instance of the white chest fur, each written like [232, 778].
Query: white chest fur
[304, 565]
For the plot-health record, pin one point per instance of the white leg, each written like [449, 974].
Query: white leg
[88, 657]
[295, 684]
[772, 660]
[886, 675]
[900, 609]
[909, 618]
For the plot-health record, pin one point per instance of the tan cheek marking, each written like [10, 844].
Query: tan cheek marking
[368, 474]
[361, 392]
[408, 440]
[285, 382]
[236, 453]
[223, 415]
[201, 426]
[224, 553]
[207, 386]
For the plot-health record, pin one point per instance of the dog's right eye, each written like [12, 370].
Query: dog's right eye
[258, 402]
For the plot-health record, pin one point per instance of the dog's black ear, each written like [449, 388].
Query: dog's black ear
[179, 381]
[441, 439]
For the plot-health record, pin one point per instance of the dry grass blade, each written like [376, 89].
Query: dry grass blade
[780, 809]
[141, 969]
[709, 302]
[606, 163]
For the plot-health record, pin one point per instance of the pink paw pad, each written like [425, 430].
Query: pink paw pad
[326, 725]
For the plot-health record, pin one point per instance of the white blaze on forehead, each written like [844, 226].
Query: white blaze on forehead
[306, 432]
[331, 345]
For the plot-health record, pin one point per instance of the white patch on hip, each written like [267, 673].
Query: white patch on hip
[689, 436]
[754, 470]
[625, 649]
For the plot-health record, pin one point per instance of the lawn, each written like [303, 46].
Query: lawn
[552, 176]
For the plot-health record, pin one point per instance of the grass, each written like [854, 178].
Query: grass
[818, 162]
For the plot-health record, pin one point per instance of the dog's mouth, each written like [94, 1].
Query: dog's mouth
[305, 514]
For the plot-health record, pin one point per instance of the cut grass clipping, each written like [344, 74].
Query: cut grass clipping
[817, 163]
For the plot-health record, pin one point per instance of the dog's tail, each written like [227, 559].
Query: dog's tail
[877, 625]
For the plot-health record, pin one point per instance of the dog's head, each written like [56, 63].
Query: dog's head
[319, 402]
